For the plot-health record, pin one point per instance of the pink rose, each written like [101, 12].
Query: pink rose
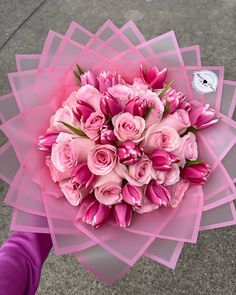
[93, 125]
[88, 94]
[73, 195]
[188, 149]
[56, 175]
[137, 174]
[128, 127]
[108, 189]
[147, 207]
[63, 114]
[179, 120]
[121, 93]
[178, 191]
[169, 177]
[71, 100]
[161, 137]
[102, 159]
[68, 152]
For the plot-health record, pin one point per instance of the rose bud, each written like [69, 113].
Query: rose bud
[162, 160]
[196, 173]
[83, 176]
[136, 106]
[92, 212]
[89, 78]
[122, 214]
[46, 141]
[129, 153]
[154, 77]
[173, 98]
[202, 117]
[107, 79]
[158, 193]
[132, 195]
[83, 110]
[107, 135]
[109, 106]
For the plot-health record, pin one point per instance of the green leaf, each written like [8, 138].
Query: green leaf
[149, 110]
[77, 77]
[191, 163]
[166, 109]
[73, 129]
[80, 71]
[165, 89]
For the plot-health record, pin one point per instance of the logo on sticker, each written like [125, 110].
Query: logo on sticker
[205, 81]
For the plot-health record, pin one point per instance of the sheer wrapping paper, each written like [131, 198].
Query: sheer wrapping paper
[39, 86]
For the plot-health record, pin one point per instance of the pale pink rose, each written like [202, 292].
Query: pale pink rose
[188, 149]
[147, 207]
[169, 177]
[139, 88]
[178, 191]
[179, 120]
[56, 175]
[128, 127]
[108, 188]
[121, 93]
[86, 93]
[93, 125]
[66, 154]
[64, 114]
[137, 174]
[71, 192]
[71, 100]
[161, 137]
[102, 159]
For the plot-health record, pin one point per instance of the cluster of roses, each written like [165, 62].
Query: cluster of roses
[117, 148]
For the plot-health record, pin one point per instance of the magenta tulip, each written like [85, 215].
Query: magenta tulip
[92, 212]
[107, 135]
[162, 160]
[122, 214]
[109, 106]
[174, 99]
[46, 141]
[83, 110]
[158, 193]
[129, 153]
[196, 173]
[136, 106]
[89, 78]
[82, 176]
[203, 117]
[107, 79]
[154, 77]
[132, 195]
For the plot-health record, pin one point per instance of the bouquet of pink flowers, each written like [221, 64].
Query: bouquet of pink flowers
[118, 147]
[123, 148]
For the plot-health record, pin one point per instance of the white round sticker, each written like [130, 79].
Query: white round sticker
[205, 81]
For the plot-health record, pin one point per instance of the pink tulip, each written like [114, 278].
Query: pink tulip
[136, 106]
[83, 176]
[46, 141]
[129, 153]
[174, 100]
[132, 195]
[162, 160]
[158, 193]
[123, 214]
[107, 135]
[89, 78]
[197, 173]
[92, 212]
[154, 77]
[107, 79]
[83, 110]
[109, 106]
[202, 117]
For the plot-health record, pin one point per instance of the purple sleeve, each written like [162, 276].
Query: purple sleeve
[21, 259]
